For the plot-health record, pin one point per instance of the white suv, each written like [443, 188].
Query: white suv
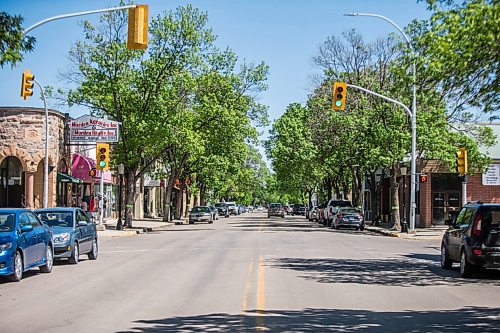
[332, 208]
[233, 209]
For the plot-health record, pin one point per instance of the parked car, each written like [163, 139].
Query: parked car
[233, 209]
[215, 212]
[320, 214]
[299, 210]
[25, 243]
[223, 209]
[331, 209]
[73, 230]
[200, 214]
[275, 209]
[312, 214]
[241, 209]
[288, 210]
[473, 239]
[348, 217]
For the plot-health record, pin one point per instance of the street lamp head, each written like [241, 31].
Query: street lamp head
[351, 14]
[121, 169]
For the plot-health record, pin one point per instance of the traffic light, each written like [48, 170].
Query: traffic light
[27, 84]
[137, 28]
[102, 156]
[462, 161]
[339, 95]
[423, 178]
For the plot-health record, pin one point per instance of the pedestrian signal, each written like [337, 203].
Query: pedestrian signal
[423, 179]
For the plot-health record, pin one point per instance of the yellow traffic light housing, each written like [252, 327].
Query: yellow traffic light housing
[102, 156]
[27, 84]
[339, 95]
[138, 28]
[462, 167]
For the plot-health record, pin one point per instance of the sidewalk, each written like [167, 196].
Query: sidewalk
[138, 227]
[435, 232]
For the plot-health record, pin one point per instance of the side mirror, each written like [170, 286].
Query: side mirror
[26, 228]
[82, 224]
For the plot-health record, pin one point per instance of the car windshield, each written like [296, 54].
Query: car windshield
[220, 205]
[7, 222]
[341, 203]
[275, 205]
[57, 219]
[232, 204]
[201, 210]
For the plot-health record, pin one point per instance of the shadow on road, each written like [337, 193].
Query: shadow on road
[408, 271]
[468, 319]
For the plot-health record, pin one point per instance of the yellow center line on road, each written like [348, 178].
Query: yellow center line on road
[248, 285]
[261, 296]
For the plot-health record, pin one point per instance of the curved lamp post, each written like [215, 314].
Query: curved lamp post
[413, 117]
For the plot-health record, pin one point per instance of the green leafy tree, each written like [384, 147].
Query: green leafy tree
[13, 43]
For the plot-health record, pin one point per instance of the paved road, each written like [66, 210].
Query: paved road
[250, 273]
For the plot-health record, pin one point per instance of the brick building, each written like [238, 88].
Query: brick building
[22, 154]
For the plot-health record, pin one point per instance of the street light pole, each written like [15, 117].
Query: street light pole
[46, 161]
[413, 117]
[121, 171]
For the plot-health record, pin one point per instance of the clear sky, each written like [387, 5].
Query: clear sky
[285, 34]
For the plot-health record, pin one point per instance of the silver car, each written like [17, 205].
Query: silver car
[200, 214]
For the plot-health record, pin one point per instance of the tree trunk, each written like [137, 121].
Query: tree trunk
[395, 199]
[168, 197]
[374, 200]
[178, 206]
[129, 195]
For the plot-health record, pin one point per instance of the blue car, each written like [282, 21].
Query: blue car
[74, 232]
[25, 243]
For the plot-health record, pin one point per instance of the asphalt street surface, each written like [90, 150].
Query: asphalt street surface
[250, 273]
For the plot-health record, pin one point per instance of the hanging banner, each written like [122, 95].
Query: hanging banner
[90, 129]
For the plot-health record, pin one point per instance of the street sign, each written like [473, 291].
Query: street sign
[91, 129]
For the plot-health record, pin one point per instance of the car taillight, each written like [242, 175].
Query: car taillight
[340, 216]
[478, 251]
[477, 225]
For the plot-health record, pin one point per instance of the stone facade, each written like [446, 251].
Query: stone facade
[22, 135]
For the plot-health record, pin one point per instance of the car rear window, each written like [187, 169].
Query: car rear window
[341, 203]
[201, 210]
[56, 218]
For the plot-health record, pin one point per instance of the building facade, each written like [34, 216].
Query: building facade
[22, 155]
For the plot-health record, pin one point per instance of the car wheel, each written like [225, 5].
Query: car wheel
[466, 268]
[18, 268]
[47, 268]
[446, 263]
[361, 228]
[95, 250]
[268, 216]
[75, 255]
[191, 222]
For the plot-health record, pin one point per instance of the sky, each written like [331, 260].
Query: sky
[285, 34]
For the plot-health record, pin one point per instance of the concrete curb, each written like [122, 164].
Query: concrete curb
[384, 232]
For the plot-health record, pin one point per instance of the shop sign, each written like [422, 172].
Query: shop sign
[149, 182]
[492, 175]
[91, 129]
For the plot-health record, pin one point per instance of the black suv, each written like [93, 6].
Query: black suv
[473, 239]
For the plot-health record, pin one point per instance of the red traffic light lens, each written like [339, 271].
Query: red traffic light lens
[340, 89]
[102, 150]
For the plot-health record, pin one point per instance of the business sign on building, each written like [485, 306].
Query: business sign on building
[492, 175]
[92, 129]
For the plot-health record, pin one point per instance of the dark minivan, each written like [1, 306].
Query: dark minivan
[473, 239]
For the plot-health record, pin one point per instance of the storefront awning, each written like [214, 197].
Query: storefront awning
[80, 167]
[64, 178]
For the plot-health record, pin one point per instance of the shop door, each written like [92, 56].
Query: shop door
[438, 208]
[452, 205]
